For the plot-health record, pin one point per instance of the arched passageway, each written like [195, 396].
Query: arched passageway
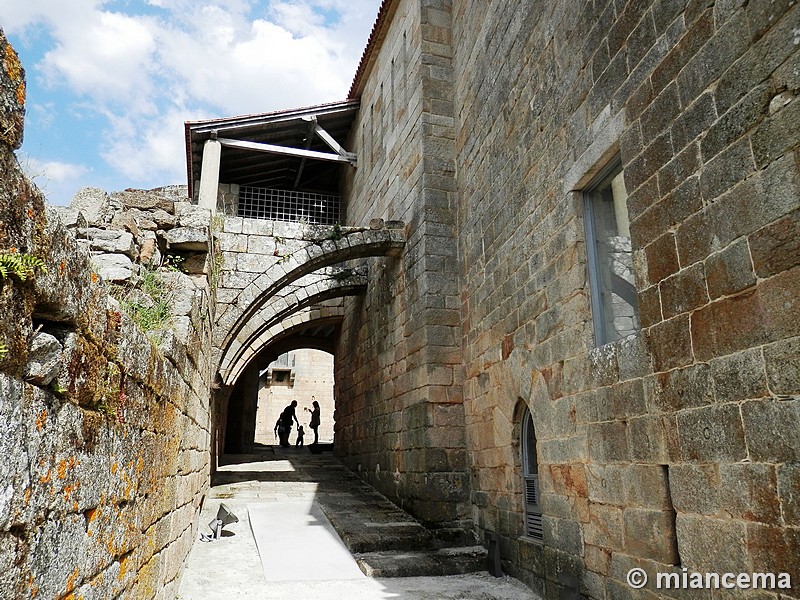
[281, 294]
[305, 376]
[296, 365]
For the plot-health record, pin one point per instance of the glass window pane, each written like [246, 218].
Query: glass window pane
[531, 464]
[614, 294]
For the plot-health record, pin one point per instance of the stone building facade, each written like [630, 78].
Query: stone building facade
[485, 126]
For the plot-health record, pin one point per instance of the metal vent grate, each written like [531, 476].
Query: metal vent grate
[531, 491]
[288, 205]
[533, 511]
[533, 523]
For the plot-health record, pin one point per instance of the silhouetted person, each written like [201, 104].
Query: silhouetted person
[287, 416]
[300, 434]
[315, 412]
[278, 430]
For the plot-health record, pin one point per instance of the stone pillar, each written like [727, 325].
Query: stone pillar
[209, 176]
[250, 386]
[241, 419]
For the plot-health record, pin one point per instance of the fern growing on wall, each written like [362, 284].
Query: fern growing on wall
[21, 266]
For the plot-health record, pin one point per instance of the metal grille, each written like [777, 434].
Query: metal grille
[288, 205]
[534, 526]
[533, 511]
[531, 490]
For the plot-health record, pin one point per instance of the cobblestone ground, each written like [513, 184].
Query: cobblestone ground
[231, 567]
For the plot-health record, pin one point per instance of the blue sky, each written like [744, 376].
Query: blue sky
[110, 83]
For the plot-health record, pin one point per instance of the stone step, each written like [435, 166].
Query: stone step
[374, 530]
[445, 561]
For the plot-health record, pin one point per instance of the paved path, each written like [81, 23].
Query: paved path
[277, 493]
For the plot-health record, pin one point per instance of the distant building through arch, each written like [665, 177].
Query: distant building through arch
[296, 375]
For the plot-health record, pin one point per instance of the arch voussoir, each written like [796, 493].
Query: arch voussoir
[277, 289]
[289, 327]
[309, 290]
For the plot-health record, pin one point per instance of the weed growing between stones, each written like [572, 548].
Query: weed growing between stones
[111, 397]
[336, 233]
[148, 301]
[57, 388]
[283, 257]
[217, 225]
[19, 266]
[174, 261]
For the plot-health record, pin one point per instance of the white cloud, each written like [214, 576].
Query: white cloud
[19, 15]
[297, 17]
[57, 179]
[153, 150]
[44, 114]
[108, 58]
[52, 170]
[253, 67]
[146, 74]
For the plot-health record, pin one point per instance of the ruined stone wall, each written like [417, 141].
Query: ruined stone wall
[676, 447]
[399, 417]
[103, 430]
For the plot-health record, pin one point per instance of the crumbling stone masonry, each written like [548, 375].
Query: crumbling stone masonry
[104, 432]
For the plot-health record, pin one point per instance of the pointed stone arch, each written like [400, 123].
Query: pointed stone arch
[275, 293]
[307, 291]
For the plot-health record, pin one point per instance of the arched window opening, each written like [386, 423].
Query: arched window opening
[530, 466]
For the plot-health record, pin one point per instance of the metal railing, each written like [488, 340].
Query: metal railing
[288, 205]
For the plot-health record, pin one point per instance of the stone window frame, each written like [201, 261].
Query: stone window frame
[530, 473]
[596, 270]
[280, 377]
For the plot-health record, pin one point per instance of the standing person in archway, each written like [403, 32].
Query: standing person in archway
[315, 413]
[287, 416]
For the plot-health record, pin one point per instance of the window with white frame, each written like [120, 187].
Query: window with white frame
[530, 469]
[608, 244]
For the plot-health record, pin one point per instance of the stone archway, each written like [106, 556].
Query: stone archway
[288, 333]
[271, 274]
[307, 291]
[250, 280]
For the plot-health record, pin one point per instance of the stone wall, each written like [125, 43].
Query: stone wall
[399, 412]
[104, 430]
[678, 446]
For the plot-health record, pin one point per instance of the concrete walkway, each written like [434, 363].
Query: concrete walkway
[277, 495]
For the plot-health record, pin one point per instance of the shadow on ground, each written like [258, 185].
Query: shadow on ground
[277, 481]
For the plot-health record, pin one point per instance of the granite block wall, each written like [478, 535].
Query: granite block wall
[399, 416]
[676, 447]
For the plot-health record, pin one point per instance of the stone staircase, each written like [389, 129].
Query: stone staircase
[417, 563]
[385, 540]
